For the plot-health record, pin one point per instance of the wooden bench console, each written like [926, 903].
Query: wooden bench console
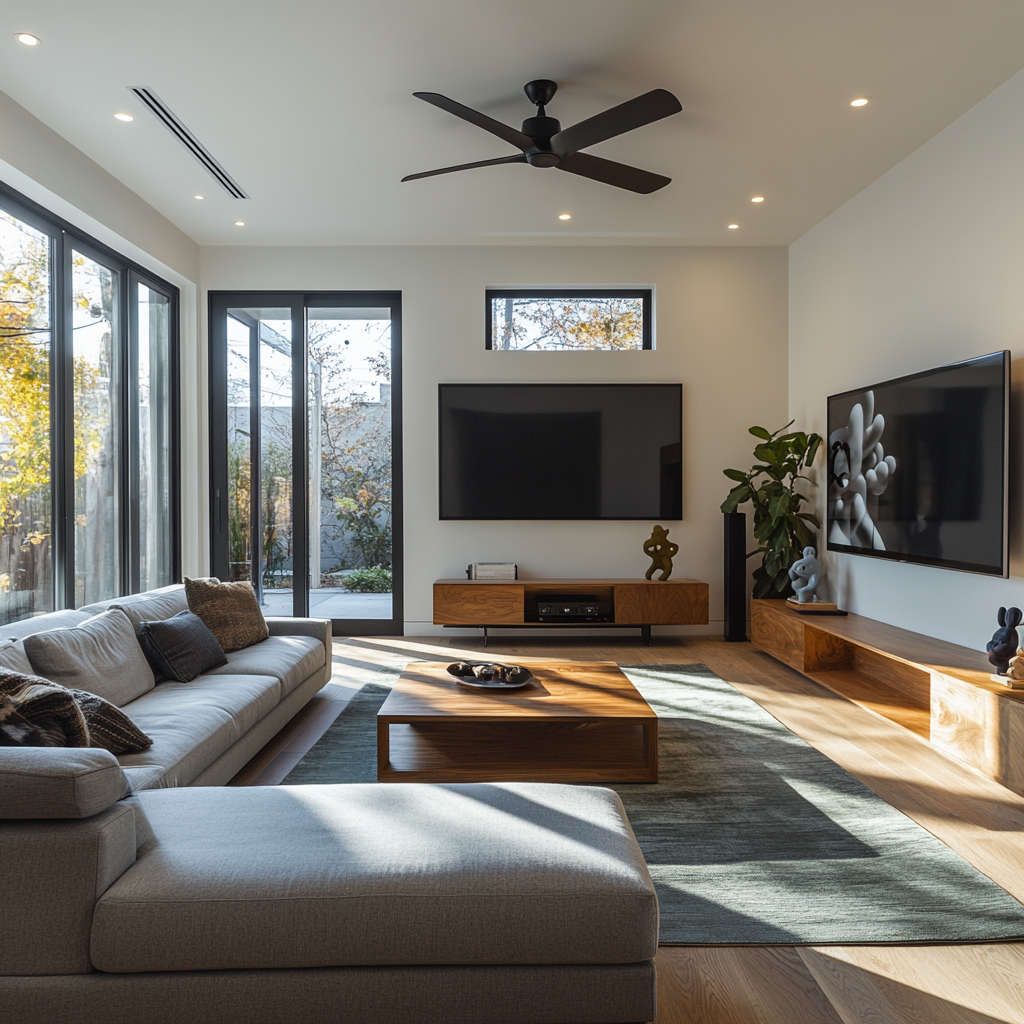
[938, 690]
[637, 603]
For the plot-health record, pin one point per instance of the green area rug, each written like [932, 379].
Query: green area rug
[751, 835]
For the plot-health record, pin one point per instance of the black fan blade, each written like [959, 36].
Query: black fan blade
[635, 113]
[503, 131]
[519, 158]
[611, 173]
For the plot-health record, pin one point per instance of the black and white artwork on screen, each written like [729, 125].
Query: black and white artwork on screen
[917, 467]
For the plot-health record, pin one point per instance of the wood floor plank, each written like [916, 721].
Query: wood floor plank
[738, 985]
[921, 984]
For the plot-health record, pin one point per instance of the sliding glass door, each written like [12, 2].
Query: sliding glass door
[88, 419]
[304, 454]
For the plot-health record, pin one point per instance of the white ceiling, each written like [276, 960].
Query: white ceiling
[308, 105]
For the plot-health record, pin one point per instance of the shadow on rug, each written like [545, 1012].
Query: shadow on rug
[752, 836]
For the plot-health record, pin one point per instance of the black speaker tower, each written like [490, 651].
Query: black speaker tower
[735, 576]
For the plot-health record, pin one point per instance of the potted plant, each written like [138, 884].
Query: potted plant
[780, 527]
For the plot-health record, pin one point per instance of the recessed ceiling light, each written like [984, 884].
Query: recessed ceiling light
[239, 223]
[861, 101]
[757, 199]
[565, 216]
[27, 39]
[122, 116]
[199, 197]
[733, 227]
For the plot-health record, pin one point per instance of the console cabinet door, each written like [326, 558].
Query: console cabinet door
[666, 604]
[479, 605]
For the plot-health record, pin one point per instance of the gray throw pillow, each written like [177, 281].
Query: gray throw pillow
[180, 647]
[13, 657]
[101, 655]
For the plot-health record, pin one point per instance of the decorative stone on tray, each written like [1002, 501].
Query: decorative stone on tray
[490, 675]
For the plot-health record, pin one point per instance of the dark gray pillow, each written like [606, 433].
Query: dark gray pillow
[180, 647]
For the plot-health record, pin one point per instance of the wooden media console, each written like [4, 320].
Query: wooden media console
[509, 603]
[938, 690]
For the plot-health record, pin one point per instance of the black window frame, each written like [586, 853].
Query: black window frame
[646, 294]
[301, 303]
[66, 238]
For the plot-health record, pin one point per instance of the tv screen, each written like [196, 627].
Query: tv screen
[917, 467]
[560, 451]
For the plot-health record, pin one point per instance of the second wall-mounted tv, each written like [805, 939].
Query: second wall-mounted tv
[918, 467]
[560, 451]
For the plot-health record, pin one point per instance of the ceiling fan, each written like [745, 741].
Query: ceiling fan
[543, 143]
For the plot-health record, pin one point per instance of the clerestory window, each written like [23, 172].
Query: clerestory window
[569, 319]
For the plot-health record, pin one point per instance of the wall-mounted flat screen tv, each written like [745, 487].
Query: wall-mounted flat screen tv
[560, 451]
[917, 467]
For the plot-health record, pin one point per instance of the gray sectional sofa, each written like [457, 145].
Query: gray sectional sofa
[205, 731]
[136, 888]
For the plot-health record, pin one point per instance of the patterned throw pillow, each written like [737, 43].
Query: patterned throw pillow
[109, 726]
[50, 710]
[230, 611]
[18, 731]
[180, 647]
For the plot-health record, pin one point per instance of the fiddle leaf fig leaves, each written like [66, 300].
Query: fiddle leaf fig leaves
[780, 526]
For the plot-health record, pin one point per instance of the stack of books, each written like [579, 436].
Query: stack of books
[492, 571]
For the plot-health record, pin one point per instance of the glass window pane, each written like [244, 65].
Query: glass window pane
[276, 553]
[349, 389]
[571, 324]
[152, 470]
[239, 452]
[95, 347]
[26, 568]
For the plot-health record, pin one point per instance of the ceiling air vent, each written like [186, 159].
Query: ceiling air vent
[188, 140]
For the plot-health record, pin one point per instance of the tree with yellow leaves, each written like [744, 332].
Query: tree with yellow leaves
[25, 334]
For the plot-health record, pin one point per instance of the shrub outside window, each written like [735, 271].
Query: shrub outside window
[569, 320]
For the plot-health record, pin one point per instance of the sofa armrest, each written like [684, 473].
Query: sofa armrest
[318, 628]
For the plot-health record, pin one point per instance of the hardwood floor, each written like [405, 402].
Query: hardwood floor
[980, 820]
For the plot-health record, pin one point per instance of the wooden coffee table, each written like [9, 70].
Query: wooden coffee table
[575, 722]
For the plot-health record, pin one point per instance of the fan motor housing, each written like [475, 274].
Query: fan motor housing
[541, 127]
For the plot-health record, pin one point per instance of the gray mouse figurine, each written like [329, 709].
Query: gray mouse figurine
[1003, 645]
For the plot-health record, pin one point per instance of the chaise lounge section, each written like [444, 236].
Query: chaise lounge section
[139, 887]
[520, 903]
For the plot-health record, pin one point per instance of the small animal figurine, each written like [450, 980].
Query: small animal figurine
[661, 552]
[1016, 669]
[1004, 643]
[805, 573]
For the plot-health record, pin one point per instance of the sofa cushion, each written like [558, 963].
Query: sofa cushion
[230, 610]
[63, 782]
[290, 659]
[180, 647]
[40, 623]
[192, 724]
[101, 655]
[37, 713]
[321, 876]
[14, 658]
[151, 605]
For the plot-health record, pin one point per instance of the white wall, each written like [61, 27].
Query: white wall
[47, 169]
[924, 267]
[721, 331]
